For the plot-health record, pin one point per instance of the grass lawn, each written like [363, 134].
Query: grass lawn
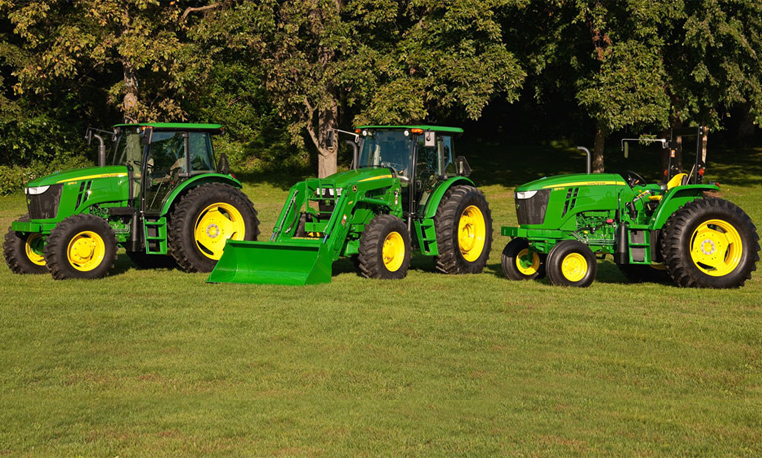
[159, 363]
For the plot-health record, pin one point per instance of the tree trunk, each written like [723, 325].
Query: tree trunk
[130, 101]
[327, 156]
[600, 138]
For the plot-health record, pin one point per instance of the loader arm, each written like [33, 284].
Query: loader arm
[307, 239]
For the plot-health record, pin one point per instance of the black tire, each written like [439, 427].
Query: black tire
[81, 246]
[710, 243]
[517, 258]
[454, 256]
[390, 232]
[637, 273]
[195, 209]
[151, 261]
[24, 253]
[571, 263]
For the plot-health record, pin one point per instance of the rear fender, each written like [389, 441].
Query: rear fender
[677, 197]
[425, 231]
[196, 181]
[436, 196]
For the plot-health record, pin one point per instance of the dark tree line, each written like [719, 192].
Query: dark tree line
[280, 74]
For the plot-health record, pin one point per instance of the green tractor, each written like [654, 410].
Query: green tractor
[671, 230]
[406, 188]
[158, 193]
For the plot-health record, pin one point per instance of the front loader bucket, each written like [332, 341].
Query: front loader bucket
[273, 263]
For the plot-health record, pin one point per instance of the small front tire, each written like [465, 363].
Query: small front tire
[24, 253]
[385, 248]
[81, 246]
[571, 263]
[520, 263]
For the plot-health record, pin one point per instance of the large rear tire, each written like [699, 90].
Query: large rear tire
[520, 263]
[204, 219]
[710, 243]
[571, 263]
[81, 246]
[463, 225]
[385, 248]
[24, 253]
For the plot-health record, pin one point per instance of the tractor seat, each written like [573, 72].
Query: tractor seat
[678, 180]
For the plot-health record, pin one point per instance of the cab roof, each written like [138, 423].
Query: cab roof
[174, 125]
[454, 130]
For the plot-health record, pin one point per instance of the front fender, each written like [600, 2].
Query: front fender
[196, 181]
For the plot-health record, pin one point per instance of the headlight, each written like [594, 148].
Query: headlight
[36, 190]
[525, 194]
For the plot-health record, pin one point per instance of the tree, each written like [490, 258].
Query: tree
[386, 61]
[450, 58]
[135, 45]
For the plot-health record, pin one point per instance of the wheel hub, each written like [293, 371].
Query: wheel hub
[708, 247]
[213, 231]
[574, 267]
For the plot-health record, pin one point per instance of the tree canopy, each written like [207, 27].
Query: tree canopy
[279, 74]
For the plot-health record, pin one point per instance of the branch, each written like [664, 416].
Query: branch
[310, 128]
[191, 9]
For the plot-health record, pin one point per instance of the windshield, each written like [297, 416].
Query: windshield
[387, 148]
[128, 149]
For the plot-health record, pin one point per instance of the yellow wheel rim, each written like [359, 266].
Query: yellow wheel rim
[215, 225]
[86, 251]
[716, 247]
[527, 262]
[574, 267]
[33, 247]
[393, 251]
[472, 232]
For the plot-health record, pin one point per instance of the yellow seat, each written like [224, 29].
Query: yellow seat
[677, 180]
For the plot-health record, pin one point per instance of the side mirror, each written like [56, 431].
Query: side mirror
[329, 139]
[223, 166]
[461, 165]
[429, 139]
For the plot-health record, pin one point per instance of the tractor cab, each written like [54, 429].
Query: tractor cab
[420, 156]
[160, 156]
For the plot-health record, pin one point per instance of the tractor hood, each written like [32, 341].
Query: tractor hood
[90, 173]
[350, 177]
[579, 179]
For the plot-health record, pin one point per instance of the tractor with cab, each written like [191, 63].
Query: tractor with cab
[159, 194]
[405, 190]
[674, 230]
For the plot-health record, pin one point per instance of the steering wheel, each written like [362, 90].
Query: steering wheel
[394, 166]
[634, 179]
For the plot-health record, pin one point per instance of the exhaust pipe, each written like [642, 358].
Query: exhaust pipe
[589, 158]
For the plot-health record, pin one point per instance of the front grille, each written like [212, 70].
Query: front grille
[532, 210]
[45, 205]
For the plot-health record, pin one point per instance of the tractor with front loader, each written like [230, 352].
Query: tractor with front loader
[674, 230]
[406, 189]
[159, 194]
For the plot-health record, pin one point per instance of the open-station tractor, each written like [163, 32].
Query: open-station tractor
[406, 189]
[672, 230]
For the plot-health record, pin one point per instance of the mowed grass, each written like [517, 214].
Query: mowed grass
[159, 363]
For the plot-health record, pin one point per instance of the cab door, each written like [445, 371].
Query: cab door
[165, 166]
